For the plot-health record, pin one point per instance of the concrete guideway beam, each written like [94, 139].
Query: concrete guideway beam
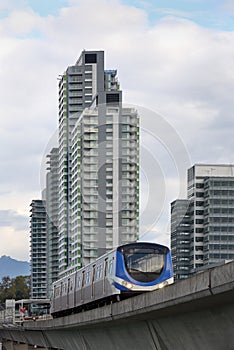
[10, 345]
[197, 313]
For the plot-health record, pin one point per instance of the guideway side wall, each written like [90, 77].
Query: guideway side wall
[197, 313]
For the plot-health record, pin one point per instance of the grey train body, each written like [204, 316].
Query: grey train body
[85, 287]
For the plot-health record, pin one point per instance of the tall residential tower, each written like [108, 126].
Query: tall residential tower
[52, 199]
[38, 249]
[98, 163]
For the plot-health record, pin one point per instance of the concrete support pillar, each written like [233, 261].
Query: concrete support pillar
[7, 345]
[20, 347]
[30, 347]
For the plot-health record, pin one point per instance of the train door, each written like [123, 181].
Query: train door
[78, 289]
[92, 281]
[105, 276]
[82, 287]
[61, 296]
[55, 297]
[68, 292]
[110, 275]
[75, 289]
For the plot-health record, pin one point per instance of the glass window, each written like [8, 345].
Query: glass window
[88, 76]
[199, 185]
[144, 264]
[110, 267]
[79, 282]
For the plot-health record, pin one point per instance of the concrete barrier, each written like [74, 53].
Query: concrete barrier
[193, 314]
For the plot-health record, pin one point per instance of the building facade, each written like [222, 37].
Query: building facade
[210, 215]
[38, 250]
[105, 182]
[98, 164]
[77, 88]
[180, 237]
[52, 200]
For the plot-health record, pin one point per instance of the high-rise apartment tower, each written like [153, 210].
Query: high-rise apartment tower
[98, 163]
[38, 250]
[52, 199]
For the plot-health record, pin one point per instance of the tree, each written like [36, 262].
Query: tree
[16, 288]
[6, 282]
[5, 286]
[22, 287]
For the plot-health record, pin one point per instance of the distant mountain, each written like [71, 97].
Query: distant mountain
[11, 267]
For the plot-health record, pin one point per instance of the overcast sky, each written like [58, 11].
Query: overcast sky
[174, 60]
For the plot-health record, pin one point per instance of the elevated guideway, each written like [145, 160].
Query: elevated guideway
[193, 314]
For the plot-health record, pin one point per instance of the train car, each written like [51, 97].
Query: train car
[123, 272]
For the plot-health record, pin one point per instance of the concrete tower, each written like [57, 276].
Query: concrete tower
[52, 199]
[98, 163]
[38, 249]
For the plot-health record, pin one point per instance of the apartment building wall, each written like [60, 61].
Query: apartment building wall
[38, 249]
[210, 193]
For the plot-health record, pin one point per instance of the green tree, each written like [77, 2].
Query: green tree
[6, 282]
[5, 285]
[22, 287]
[16, 288]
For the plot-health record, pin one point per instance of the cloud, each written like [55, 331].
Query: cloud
[14, 234]
[228, 5]
[173, 66]
[14, 243]
[19, 23]
[10, 218]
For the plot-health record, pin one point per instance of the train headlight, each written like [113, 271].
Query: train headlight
[127, 284]
[163, 284]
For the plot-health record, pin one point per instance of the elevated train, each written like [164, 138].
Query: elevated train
[125, 271]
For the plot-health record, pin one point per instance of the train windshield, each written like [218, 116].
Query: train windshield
[144, 264]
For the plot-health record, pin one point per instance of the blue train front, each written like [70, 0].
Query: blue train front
[142, 267]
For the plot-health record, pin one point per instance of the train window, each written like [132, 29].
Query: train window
[100, 271]
[57, 291]
[79, 282]
[71, 285]
[68, 285]
[110, 266]
[144, 264]
[94, 273]
[97, 273]
[83, 279]
[105, 267]
[64, 288]
[87, 277]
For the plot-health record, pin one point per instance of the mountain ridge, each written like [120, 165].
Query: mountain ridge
[12, 267]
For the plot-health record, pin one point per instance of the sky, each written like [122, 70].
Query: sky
[175, 63]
